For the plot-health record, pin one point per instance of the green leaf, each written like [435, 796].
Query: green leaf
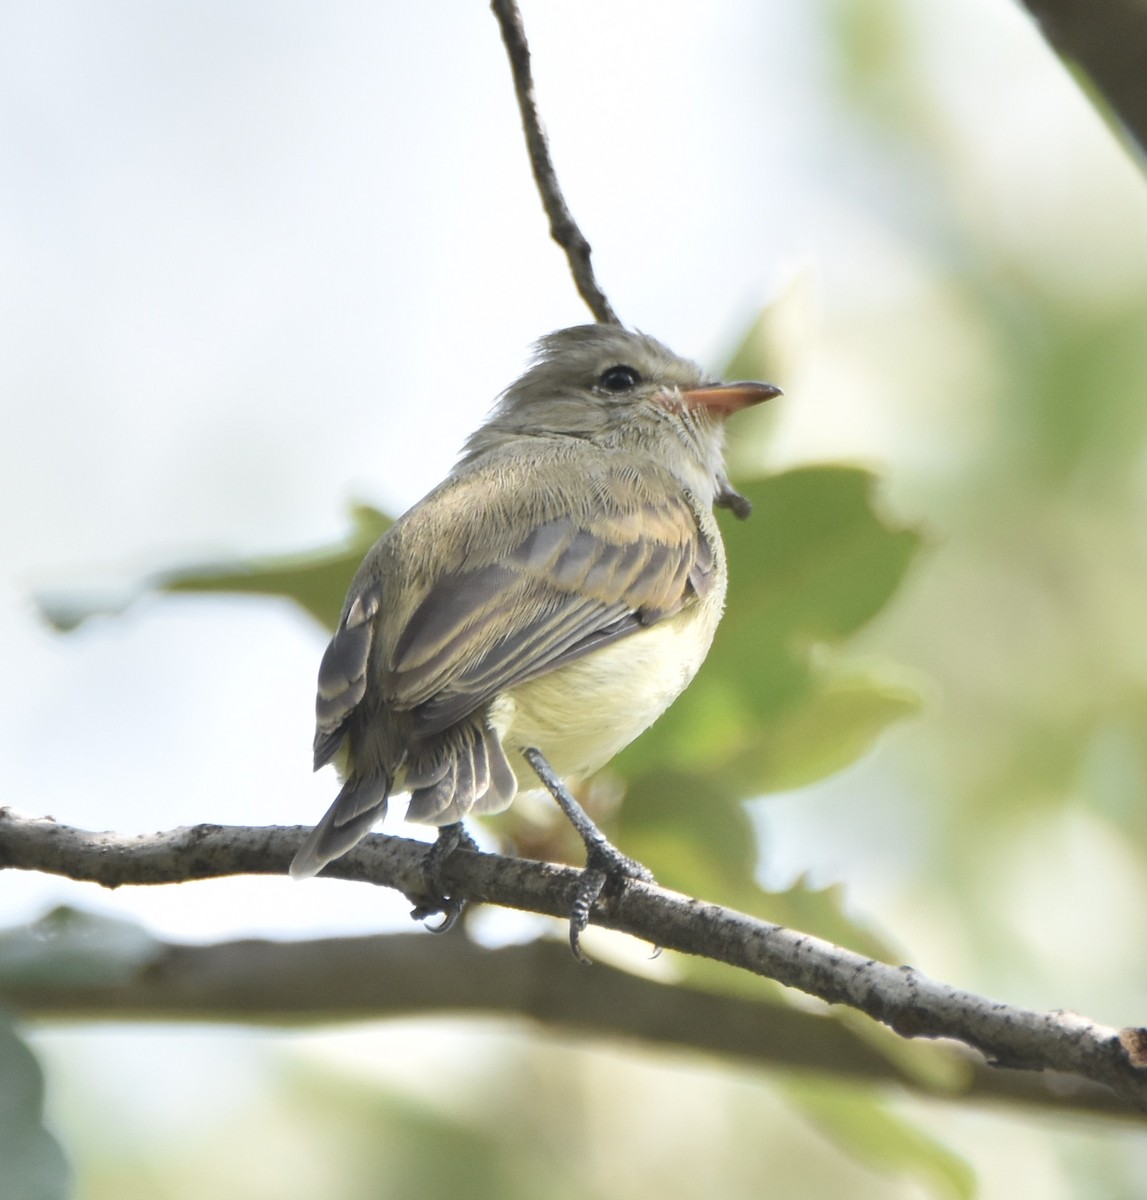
[816, 554]
[835, 723]
[317, 580]
[867, 1129]
[813, 565]
[33, 1165]
[771, 710]
[696, 830]
[67, 947]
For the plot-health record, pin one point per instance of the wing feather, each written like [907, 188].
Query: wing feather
[343, 673]
[565, 589]
[450, 609]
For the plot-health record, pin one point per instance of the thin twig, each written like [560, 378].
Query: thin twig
[900, 997]
[563, 228]
[1106, 38]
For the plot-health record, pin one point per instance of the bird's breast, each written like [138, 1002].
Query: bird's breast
[582, 714]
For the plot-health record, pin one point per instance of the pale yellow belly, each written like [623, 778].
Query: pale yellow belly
[581, 715]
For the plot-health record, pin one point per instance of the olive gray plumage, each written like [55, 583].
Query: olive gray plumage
[557, 591]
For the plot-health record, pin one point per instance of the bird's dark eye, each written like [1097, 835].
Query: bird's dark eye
[618, 379]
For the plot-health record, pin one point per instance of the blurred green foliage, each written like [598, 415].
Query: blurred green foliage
[32, 1165]
[316, 581]
[881, 1139]
[68, 947]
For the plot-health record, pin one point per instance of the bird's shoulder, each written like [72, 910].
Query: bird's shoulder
[481, 513]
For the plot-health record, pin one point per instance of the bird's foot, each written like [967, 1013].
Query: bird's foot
[605, 865]
[450, 838]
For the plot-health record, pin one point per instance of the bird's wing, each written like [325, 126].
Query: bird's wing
[571, 585]
[506, 607]
[343, 670]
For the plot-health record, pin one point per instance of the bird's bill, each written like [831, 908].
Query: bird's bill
[723, 399]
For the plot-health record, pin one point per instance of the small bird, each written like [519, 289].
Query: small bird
[542, 606]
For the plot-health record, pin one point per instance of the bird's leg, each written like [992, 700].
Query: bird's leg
[604, 862]
[450, 838]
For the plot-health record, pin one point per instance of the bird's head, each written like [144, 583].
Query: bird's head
[623, 390]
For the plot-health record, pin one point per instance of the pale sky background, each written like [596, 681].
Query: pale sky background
[260, 259]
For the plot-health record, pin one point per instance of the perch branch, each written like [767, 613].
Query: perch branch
[1106, 39]
[898, 996]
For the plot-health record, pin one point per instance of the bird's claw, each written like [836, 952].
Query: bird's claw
[589, 887]
[605, 865]
[450, 838]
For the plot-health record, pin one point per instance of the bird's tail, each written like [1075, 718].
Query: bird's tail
[360, 804]
[465, 772]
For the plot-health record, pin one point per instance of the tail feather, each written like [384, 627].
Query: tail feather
[472, 775]
[434, 804]
[360, 804]
[503, 783]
